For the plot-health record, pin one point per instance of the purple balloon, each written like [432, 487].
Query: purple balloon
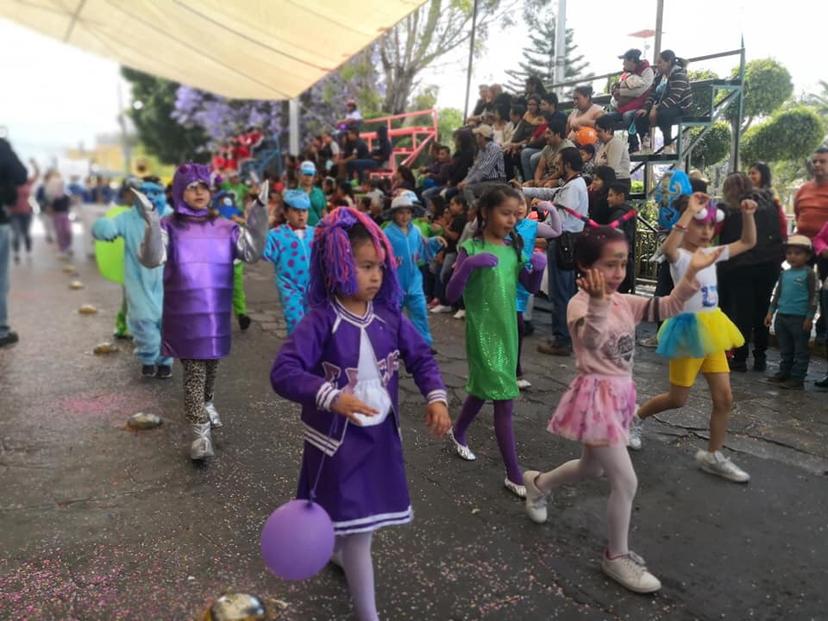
[297, 540]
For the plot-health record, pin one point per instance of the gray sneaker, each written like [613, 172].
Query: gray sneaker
[634, 441]
[718, 464]
[202, 446]
[631, 572]
[650, 341]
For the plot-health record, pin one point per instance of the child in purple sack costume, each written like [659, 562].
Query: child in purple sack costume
[341, 364]
[197, 249]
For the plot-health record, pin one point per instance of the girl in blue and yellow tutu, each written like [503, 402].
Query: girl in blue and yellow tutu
[696, 341]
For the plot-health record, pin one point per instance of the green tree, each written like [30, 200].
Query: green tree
[767, 85]
[153, 104]
[789, 134]
[713, 147]
[819, 100]
[539, 54]
[449, 121]
[427, 34]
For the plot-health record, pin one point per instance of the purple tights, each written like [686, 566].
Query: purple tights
[503, 432]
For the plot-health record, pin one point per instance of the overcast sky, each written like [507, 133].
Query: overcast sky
[56, 96]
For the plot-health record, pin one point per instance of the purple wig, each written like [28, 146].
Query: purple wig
[332, 269]
[186, 174]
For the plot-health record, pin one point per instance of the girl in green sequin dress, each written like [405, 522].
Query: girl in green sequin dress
[486, 274]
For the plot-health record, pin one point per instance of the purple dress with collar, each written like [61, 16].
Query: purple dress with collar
[362, 484]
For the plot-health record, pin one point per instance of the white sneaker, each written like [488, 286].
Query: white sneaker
[441, 309]
[630, 571]
[461, 314]
[517, 490]
[634, 441]
[212, 413]
[536, 500]
[524, 384]
[718, 464]
[650, 341]
[202, 446]
[461, 449]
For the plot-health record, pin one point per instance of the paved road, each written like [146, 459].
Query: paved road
[99, 522]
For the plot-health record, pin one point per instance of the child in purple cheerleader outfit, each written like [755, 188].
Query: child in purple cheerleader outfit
[197, 249]
[341, 363]
[598, 407]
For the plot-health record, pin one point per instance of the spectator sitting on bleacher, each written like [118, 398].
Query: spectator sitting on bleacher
[602, 178]
[534, 87]
[630, 93]
[501, 124]
[546, 174]
[329, 153]
[488, 164]
[668, 101]
[587, 152]
[515, 116]
[436, 175]
[378, 157]
[459, 166]
[402, 179]
[531, 151]
[524, 128]
[585, 113]
[353, 118]
[353, 149]
[482, 106]
[612, 151]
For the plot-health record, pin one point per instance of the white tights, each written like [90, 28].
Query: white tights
[614, 461]
[355, 553]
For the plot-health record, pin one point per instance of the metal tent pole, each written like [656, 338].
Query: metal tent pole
[471, 58]
[560, 46]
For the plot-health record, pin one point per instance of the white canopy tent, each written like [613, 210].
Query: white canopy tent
[244, 49]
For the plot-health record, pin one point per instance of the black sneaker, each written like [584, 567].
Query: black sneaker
[778, 378]
[148, 370]
[760, 363]
[793, 384]
[738, 366]
[528, 328]
[122, 336]
[164, 371]
[10, 339]
[823, 383]
[244, 322]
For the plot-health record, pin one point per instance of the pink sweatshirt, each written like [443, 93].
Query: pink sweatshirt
[603, 331]
[821, 240]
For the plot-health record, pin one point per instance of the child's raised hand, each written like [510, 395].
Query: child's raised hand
[748, 206]
[437, 419]
[594, 284]
[698, 202]
[145, 207]
[348, 405]
[263, 197]
[702, 259]
[482, 260]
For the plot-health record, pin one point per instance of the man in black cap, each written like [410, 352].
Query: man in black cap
[630, 92]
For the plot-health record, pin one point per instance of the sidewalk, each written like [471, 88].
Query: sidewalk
[104, 523]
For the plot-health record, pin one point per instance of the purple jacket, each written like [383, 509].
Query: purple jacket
[320, 359]
[198, 287]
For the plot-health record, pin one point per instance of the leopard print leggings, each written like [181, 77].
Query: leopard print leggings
[199, 382]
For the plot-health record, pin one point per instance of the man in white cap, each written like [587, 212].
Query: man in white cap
[488, 166]
[318, 202]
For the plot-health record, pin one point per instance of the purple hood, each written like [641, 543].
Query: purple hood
[186, 174]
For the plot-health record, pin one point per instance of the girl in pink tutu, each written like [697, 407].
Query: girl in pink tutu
[597, 408]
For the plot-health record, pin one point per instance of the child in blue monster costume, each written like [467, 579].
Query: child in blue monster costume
[410, 247]
[225, 202]
[144, 286]
[288, 247]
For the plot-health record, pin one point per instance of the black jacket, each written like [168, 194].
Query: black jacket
[13, 174]
[769, 246]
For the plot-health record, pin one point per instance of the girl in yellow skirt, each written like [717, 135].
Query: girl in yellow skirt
[696, 341]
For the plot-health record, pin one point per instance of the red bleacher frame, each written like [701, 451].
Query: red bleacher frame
[421, 137]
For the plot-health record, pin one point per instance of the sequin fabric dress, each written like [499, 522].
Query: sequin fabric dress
[491, 326]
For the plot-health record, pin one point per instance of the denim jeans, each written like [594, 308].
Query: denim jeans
[5, 253]
[528, 162]
[561, 289]
[793, 345]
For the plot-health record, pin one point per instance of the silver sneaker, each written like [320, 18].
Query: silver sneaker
[634, 441]
[650, 341]
[461, 449]
[202, 445]
[523, 384]
[631, 572]
[718, 464]
[536, 500]
[517, 490]
[212, 413]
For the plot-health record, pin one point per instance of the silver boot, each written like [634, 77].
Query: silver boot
[202, 445]
[212, 412]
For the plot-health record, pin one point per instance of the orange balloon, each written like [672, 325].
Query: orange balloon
[586, 135]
